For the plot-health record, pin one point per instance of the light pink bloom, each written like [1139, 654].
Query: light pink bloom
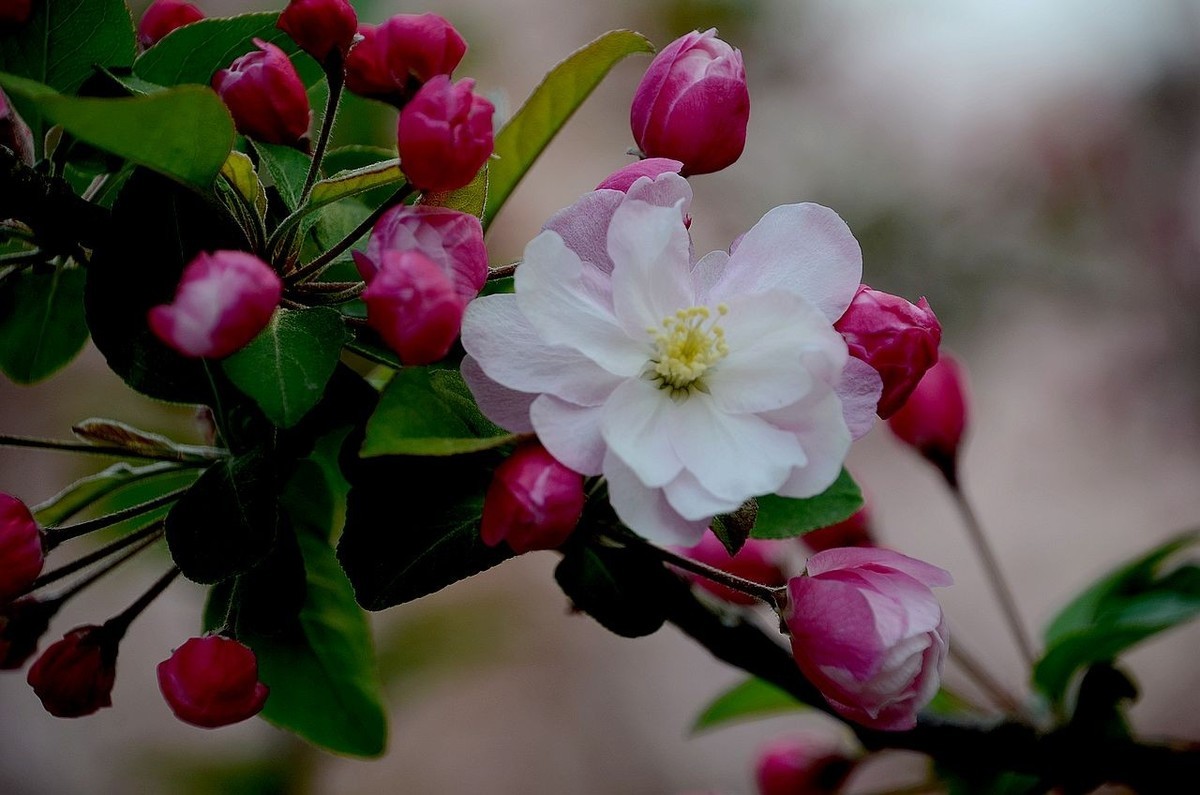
[935, 416]
[453, 240]
[223, 301]
[758, 561]
[21, 556]
[394, 59]
[693, 104]
[265, 96]
[900, 340]
[692, 386]
[533, 502]
[320, 27]
[802, 764]
[413, 305]
[211, 682]
[445, 135]
[623, 178]
[164, 16]
[869, 633]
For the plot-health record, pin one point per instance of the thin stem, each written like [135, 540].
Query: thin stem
[749, 587]
[323, 261]
[501, 271]
[320, 298]
[176, 457]
[979, 674]
[336, 78]
[108, 567]
[991, 567]
[23, 257]
[326, 287]
[57, 535]
[120, 623]
[152, 530]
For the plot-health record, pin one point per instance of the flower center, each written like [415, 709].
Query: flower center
[686, 345]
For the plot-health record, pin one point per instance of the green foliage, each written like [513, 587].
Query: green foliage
[41, 322]
[748, 700]
[93, 489]
[430, 412]
[471, 198]
[1127, 606]
[349, 158]
[184, 133]
[355, 181]
[238, 171]
[521, 141]
[286, 367]
[618, 586]
[782, 517]
[288, 168]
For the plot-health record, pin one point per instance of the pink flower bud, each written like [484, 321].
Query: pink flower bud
[14, 132]
[394, 59]
[164, 16]
[757, 560]
[869, 633]
[623, 178]
[320, 27]
[453, 240]
[223, 301]
[213, 681]
[74, 676]
[21, 556]
[852, 532]
[265, 96]
[413, 305]
[534, 502]
[22, 624]
[693, 104]
[15, 11]
[935, 416]
[900, 340]
[445, 135]
[802, 764]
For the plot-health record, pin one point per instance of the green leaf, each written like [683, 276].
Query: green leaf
[42, 325]
[1124, 608]
[355, 181]
[732, 529]
[89, 490]
[430, 412]
[348, 158]
[783, 517]
[552, 103]
[239, 172]
[617, 586]
[471, 198]
[288, 168]
[194, 53]
[285, 368]
[184, 133]
[750, 700]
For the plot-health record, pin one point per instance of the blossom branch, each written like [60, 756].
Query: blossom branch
[180, 457]
[335, 75]
[757, 590]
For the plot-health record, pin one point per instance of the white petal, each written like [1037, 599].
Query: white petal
[859, 390]
[645, 510]
[706, 273]
[506, 407]
[821, 430]
[512, 353]
[666, 190]
[651, 265]
[733, 456]
[584, 226]
[559, 298]
[803, 248]
[692, 501]
[571, 433]
[636, 427]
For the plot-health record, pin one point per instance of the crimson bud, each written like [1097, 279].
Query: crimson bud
[533, 502]
[74, 676]
[391, 61]
[265, 96]
[164, 16]
[414, 306]
[21, 554]
[445, 135]
[213, 681]
[453, 240]
[802, 764]
[320, 27]
[935, 416]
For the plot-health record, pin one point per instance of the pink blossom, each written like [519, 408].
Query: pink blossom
[935, 416]
[533, 502]
[74, 676]
[758, 561]
[413, 305]
[623, 178]
[223, 301]
[265, 96]
[802, 764]
[869, 633]
[21, 556]
[394, 59]
[693, 104]
[320, 27]
[164, 16]
[445, 135]
[211, 682]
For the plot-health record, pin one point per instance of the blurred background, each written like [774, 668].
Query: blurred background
[1033, 168]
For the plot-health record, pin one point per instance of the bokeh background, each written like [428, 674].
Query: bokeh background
[1032, 167]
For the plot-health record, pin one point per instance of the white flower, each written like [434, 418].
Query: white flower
[691, 386]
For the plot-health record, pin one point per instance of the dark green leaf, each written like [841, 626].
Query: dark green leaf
[430, 412]
[89, 490]
[288, 168]
[412, 528]
[782, 517]
[617, 586]
[750, 700]
[501, 286]
[285, 368]
[227, 522]
[194, 53]
[348, 158]
[1125, 607]
[356, 181]
[184, 133]
[521, 141]
[41, 322]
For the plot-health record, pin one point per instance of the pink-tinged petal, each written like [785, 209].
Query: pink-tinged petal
[645, 510]
[859, 390]
[571, 433]
[922, 608]
[835, 624]
[817, 423]
[584, 226]
[694, 502]
[706, 273]
[635, 427]
[802, 248]
[506, 407]
[876, 557]
[512, 353]
[665, 190]
[553, 294]
[650, 250]
[623, 178]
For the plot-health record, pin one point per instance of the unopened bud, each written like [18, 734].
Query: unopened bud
[164, 16]
[320, 27]
[211, 682]
[414, 306]
[391, 61]
[74, 676]
[935, 416]
[265, 96]
[802, 764]
[445, 135]
[533, 502]
[21, 553]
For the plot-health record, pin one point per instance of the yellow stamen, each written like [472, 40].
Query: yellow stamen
[686, 346]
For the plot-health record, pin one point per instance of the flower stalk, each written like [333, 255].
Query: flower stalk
[58, 535]
[318, 265]
[765, 593]
[151, 531]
